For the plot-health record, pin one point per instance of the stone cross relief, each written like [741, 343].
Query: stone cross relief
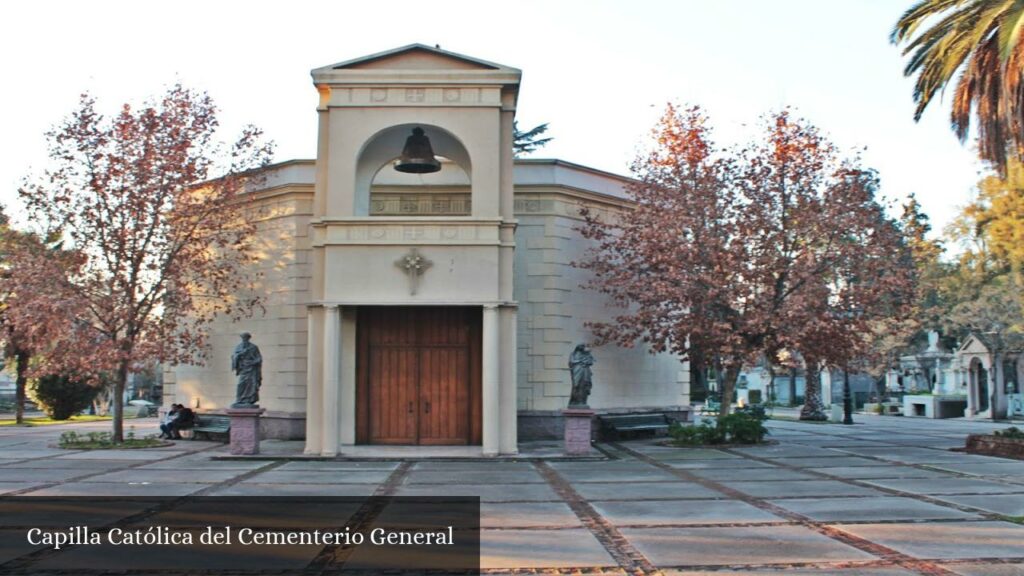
[413, 264]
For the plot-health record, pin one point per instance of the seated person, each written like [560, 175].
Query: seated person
[167, 427]
[186, 419]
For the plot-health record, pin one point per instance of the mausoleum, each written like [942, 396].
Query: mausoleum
[424, 301]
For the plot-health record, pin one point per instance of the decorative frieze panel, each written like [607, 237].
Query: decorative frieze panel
[559, 205]
[416, 96]
[468, 233]
[420, 204]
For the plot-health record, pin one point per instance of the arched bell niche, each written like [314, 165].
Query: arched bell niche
[383, 191]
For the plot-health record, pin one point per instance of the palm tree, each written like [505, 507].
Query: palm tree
[981, 41]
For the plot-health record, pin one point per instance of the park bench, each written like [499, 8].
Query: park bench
[614, 425]
[210, 424]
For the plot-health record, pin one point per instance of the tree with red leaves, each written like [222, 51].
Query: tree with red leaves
[163, 246]
[779, 246]
[27, 331]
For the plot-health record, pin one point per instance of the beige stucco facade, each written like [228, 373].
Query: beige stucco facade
[498, 236]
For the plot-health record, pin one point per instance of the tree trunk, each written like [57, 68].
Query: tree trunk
[22, 358]
[119, 386]
[728, 378]
[813, 408]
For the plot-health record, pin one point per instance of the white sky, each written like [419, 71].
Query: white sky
[599, 71]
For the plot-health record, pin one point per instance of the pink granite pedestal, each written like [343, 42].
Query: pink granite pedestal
[245, 430]
[578, 422]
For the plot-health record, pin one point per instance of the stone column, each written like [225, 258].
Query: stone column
[491, 380]
[314, 383]
[332, 380]
[508, 443]
[348, 376]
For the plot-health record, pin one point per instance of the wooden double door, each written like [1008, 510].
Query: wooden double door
[418, 375]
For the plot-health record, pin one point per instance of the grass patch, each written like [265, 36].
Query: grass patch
[47, 421]
[1014, 519]
[104, 440]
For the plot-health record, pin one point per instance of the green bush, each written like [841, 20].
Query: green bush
[739, 427]
[743, 428]
[62, 397]
[1011, 432]
[754, 410]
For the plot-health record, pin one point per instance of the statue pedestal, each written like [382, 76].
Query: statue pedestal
[245, 430]
[578, 424]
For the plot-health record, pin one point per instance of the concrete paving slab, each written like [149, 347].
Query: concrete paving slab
[942, 540]
[734, 464]
[738, 545]
[84, 466]
[109, 489]
[801, 489]
[682, 512]
[475, 477]
[243, 489]
[868, 509]
[487, 493]
[1005, 504]
[947, 486]
[759, 474]
[202, 463]
[526, 515]
[22, 453]
[186, 476]
[628, 464]
[644, 474]
[541, 549]
[8, 487]
[829, 462]
[692, 454]
[987, 569]
[39, 475]
[322, 477]
[984, 468]
[652, 491]
[477, 465]
[788, 451]
[882, 471]
[138, 454]
[318, 465]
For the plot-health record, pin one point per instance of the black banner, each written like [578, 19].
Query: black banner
[239, 535]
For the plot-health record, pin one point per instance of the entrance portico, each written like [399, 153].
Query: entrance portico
[412, 322]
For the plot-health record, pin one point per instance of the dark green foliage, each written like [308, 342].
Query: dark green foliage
[1011, 432]
[526, 141]
[62, 397]
[754, 410]
[739, 428]
[743, 428]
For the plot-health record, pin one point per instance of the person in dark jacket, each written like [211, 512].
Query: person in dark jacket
[167, 427]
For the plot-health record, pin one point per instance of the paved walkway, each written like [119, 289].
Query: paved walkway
[883, 497]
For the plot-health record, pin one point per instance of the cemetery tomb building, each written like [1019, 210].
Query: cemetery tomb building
[437, 306]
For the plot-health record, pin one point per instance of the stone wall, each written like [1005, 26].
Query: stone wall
[283, 216]
[554, 310]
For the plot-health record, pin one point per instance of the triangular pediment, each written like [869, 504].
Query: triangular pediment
[973, 345]
[417, 57]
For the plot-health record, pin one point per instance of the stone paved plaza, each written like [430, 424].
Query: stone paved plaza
[883, 497]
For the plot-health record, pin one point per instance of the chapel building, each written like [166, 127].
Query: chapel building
[426, 308]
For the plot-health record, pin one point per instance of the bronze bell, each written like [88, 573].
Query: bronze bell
[418, 156]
